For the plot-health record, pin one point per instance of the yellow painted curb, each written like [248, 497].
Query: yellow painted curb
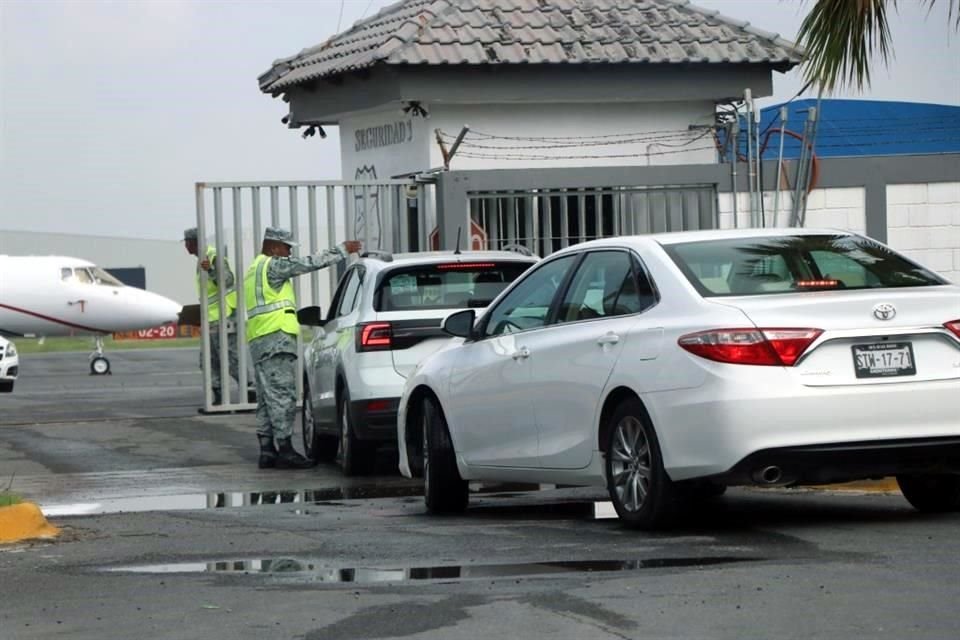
[24, 521]
[886, 485]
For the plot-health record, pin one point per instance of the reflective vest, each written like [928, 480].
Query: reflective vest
[213, 299]
[268, 310]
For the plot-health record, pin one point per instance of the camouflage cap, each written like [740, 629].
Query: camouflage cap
[279, 235]
[190, 234]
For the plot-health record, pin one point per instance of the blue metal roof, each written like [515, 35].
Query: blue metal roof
[863, 128]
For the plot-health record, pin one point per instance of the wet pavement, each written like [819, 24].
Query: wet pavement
[170, 531]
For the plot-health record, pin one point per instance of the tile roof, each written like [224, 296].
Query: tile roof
[485, 32]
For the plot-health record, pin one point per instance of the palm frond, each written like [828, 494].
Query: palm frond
[842, 36]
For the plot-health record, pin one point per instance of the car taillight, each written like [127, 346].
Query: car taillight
[954, 325]
[374, 336]
[767, 347]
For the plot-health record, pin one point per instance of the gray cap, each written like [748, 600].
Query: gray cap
[279, 235]
[190, 234]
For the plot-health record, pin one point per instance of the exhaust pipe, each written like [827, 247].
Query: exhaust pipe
[768, 475]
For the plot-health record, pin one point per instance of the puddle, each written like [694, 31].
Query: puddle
[310, 570]
[230, 499]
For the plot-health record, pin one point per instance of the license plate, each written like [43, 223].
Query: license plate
[885, 359]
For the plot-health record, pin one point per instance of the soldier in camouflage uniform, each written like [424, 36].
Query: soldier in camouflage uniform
[211, 263]
[272, 331]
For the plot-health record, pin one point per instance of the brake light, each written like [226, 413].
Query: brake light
[954, 326]
[766, 347]
[465, 265]
[817, 284]
[374, 336]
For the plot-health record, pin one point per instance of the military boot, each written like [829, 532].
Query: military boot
[288, 458]
[268, 453]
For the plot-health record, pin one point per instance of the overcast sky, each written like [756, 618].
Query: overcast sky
[110, 111]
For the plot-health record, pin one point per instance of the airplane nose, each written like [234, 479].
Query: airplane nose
[161, 310]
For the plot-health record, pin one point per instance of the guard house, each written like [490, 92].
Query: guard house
[541, 83]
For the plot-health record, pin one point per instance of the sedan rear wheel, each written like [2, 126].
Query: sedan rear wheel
[931, 493]
[444, 491]
[642, 494]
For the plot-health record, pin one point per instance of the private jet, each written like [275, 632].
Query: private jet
[46, 296]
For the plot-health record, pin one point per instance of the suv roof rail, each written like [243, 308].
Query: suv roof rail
[386, 256]
[519, 248]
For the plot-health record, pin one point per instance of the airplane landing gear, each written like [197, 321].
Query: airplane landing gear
[99, 365]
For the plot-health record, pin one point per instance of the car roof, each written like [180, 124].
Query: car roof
[678, 237]
[439, 257]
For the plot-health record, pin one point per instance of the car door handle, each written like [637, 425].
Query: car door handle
[610, 338]
[521, 354]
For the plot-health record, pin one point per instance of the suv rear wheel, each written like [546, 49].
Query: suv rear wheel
[355, 457]
[317, 446]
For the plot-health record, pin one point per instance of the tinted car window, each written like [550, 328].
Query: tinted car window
[527, 306]
[349, 298]
[788, 264]
[605, 285]
[455, 285]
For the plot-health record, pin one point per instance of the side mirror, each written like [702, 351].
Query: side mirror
[460, 324]
[311, 317]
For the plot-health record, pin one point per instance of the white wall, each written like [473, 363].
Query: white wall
[648, 122]
[837, 208]
[170, 270]
[923, 222]
[387, 143]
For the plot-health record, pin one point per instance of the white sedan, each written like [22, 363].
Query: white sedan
[667, 366]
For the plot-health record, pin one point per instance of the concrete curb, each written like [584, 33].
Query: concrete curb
[24, 521]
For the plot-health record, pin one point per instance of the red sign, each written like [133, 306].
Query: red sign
[478, 238]
[163, 332]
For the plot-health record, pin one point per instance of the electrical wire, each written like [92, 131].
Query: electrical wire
[341, 15]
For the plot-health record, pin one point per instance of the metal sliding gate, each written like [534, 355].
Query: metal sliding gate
[546, 220]
[389, 215]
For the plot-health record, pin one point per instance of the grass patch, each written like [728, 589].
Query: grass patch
[58, 345]
[7, 499]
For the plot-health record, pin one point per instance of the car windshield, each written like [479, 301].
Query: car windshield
[454, 285]
[789, 264]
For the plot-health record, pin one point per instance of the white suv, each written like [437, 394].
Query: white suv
[384, 319]
[9, 365]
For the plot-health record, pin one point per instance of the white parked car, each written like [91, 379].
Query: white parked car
[384, 319]
[9, 365]
[666, 366]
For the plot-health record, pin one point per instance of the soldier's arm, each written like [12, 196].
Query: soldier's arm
[282, 269]
[228, 279]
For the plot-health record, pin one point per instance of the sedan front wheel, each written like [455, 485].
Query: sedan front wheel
[642, 493]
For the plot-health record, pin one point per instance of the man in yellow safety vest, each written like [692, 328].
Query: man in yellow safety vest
[272, 331]
[210, 263]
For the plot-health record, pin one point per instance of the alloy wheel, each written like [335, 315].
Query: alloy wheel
[631, 463]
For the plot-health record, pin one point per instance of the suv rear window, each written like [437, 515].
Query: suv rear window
[788, 264]
[455, 285]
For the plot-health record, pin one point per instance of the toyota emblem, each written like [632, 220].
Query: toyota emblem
[884, 311]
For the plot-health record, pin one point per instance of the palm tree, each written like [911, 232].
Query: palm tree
[841, 37]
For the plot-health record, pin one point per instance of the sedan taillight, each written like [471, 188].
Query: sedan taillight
[375, 336]
[767, 347]
[954, 326]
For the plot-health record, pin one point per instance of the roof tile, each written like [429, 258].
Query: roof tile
[444, 32]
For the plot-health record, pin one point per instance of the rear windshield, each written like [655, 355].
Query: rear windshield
[788, 264]
[445, 286]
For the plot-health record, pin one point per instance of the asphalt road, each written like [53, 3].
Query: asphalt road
[170, 531]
